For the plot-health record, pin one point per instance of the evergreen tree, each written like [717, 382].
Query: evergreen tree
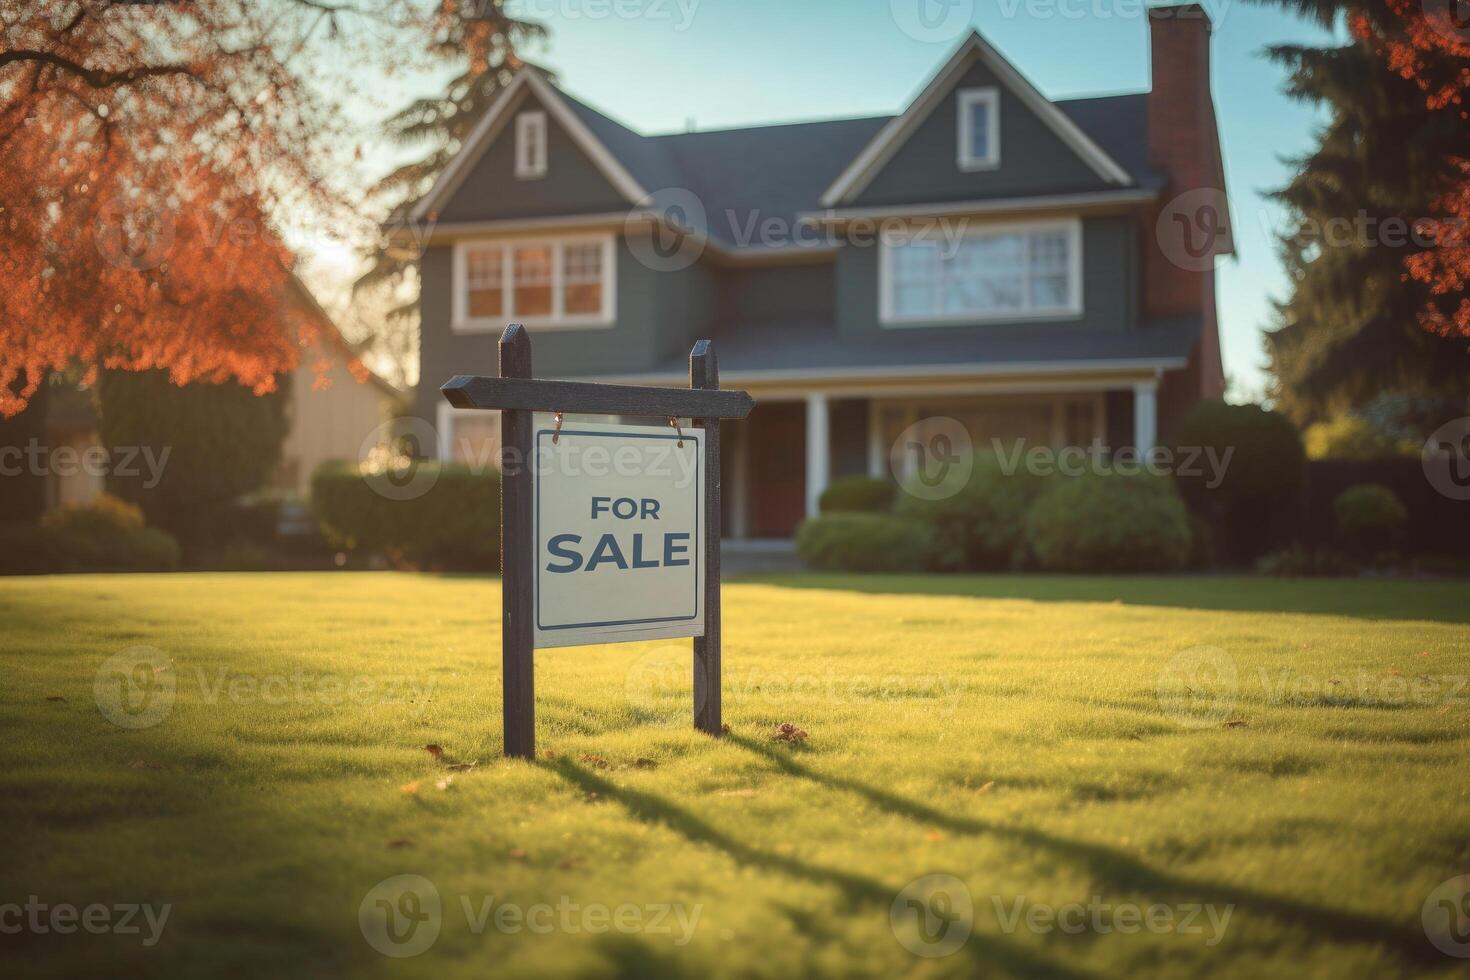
[1352, 327]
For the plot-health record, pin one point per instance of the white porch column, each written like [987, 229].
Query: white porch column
[818, 451]
[1145, 415]
[740, 481]
[877, 459]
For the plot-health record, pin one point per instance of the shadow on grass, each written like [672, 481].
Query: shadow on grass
[1441, 601]
[857, 890]
[1122, 872]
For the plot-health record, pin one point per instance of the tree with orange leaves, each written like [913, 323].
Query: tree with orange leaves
[148, 152]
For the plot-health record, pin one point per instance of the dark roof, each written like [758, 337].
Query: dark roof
[815, 346]
[780, 171]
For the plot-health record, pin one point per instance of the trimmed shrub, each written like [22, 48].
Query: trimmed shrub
[857, 542]
[1253, 507]
[857, 493]
[454, 524]
[981, 528]
[1368, 518]
[1300, 562]
[108, 535]
[222, 441]
[1109, 524]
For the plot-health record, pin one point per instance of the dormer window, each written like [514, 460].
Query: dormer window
[979, 128]
[530, 145]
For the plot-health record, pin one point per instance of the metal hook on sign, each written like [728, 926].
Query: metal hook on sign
[556, 432]
[674, 424]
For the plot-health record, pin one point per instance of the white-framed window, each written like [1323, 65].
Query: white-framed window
[530, 145]
[562, 282]
[979, 128]
[469, 437]
[1030, 270]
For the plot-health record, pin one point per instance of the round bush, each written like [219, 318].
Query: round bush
[1266, 454]
[981, 528]
[1109, 524]
[107, 535]
[857, 493]
[856, 542]
[455, 523]
[1369, 518]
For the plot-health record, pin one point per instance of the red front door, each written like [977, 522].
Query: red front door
[777, 459]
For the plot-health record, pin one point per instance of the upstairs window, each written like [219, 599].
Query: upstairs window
[543, 282]
[979, 129]
[1010, 272]
[530, 145]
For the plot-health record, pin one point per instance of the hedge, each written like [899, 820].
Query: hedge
[982, 527]
[1109, 523]
[1369, 519]
[857, 493]
[106, 535]
[858, 542]
[453, 524]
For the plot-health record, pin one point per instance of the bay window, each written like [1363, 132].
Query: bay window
[993, 272]
[549, 283]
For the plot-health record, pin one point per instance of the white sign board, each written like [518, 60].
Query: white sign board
[619, 521]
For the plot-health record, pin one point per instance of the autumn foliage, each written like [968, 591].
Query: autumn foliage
[147, 152]
[1423, 43]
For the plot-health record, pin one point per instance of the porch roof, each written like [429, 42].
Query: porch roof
[795, 350]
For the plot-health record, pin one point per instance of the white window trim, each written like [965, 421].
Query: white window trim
[967, 99]
[462, 322]
[531, 135]
[1070, 311]
[445, 415]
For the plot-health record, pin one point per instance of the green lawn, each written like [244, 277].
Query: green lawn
[1047, 741]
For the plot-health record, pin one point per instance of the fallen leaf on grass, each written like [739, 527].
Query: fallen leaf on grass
[434, 750]
[399, 843]
[934, 836]
[724, 729]
[644, 764]
[548, 754]
[986, 787]
[409, 789]
[517, 854]
[463, 766]
[1236, 723]
[595, 761]
[789, 733]
[567, 864]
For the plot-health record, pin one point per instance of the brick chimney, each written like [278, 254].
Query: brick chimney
[1191, 216]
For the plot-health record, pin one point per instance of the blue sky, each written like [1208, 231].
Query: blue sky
[658, 64]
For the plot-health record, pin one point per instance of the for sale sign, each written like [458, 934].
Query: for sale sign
[619, 532]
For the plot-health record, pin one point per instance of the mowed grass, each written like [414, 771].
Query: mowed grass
[1008, 731]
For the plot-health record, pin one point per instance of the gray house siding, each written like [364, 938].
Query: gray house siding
[1033, 160]
[1109, 285]
[804, 293]
[572, 184]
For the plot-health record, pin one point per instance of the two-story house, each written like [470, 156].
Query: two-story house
[987, 255]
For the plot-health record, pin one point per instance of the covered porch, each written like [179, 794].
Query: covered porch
[777, 462]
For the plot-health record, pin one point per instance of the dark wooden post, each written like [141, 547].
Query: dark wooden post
[704, 372]
[517, 556]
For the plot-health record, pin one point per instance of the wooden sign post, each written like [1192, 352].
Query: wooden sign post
[543, 520]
